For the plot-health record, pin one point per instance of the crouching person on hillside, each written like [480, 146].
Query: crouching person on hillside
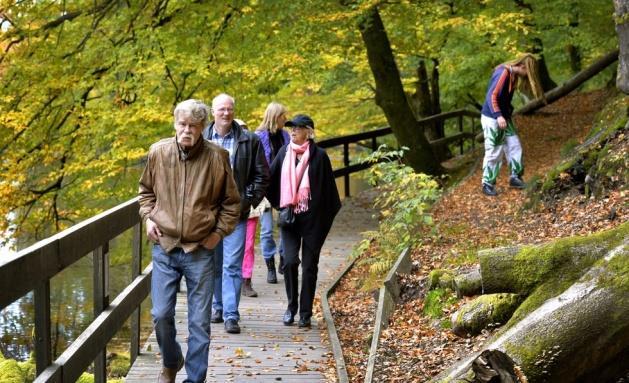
[189, 202]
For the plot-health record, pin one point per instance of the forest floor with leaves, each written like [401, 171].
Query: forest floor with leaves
[415, 348]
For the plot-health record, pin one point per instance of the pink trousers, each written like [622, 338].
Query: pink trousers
[250, 241]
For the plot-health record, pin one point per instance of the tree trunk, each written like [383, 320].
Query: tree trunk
[436, 97]
[581, 335]
[574, 55]
[421, 100]
[622, 29]
[391, 98]
[482, 312]
[426, 102]
[492, 364]
[520, 269]
[544, 75]
[571, 84]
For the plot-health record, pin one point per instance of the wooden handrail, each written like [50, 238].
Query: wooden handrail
[47, 258]
[372, 135]
[32, 268]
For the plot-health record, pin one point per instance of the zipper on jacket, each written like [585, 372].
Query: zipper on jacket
[183, 197]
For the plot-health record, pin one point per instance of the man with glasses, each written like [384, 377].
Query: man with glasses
[251, 174]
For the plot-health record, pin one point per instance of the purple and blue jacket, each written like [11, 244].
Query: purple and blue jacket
[500, 93]
[265, 140]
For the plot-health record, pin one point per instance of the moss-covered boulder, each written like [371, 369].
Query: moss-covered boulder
[468, 284]
[118, 365]
[441, 279]
[10, 372]
[85, 378]
[482, 312]
[29, 370]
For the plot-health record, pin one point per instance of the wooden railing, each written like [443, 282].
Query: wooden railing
[32, 269]
[369, 139]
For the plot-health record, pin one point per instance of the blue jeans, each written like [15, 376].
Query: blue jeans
[267, 243]
[168, 268]
[228, 272]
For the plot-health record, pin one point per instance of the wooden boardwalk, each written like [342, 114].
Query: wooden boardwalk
[266, 350]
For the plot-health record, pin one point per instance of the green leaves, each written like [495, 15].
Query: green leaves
[88, 86]
[404, 201]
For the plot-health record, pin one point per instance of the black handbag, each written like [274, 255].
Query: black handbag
[286, 217]
[287, 214]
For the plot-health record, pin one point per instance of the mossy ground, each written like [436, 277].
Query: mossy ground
[594, 167]
[12, 371]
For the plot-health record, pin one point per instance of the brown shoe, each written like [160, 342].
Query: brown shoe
[247, 289]
[168, 375]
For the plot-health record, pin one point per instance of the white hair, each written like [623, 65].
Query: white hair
[216, 99]
[196, 109]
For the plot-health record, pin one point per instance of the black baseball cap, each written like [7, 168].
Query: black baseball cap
[300, 120]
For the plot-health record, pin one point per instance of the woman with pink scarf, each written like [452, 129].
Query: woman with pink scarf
[302, 179]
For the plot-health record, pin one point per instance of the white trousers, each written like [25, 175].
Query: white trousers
[497, 142]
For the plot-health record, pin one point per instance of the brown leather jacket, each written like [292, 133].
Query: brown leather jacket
[188, 198]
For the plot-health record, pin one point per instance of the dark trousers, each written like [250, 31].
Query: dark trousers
[292, 241]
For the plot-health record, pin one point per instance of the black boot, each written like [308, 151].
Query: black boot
[281, 268]
[271, 277]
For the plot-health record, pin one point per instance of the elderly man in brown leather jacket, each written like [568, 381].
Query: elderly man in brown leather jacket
[189, 202]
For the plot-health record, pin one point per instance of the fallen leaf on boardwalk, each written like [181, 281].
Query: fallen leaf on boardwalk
[240, 353]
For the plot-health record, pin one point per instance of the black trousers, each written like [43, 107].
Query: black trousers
[292, 241]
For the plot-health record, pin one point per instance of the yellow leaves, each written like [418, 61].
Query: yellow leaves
[499, 26]
[447, 23]
[241, 354]
[330, 61]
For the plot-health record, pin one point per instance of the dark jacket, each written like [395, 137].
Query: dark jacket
[500, 93]
[250, 169]
[324, 202]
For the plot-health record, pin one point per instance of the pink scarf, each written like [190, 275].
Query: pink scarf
[291, 193]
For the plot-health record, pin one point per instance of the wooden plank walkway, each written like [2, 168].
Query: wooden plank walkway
[266, 350]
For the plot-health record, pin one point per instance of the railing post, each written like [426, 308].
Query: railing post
[101, 301]
[43, 341]
[374, 144]
[136, 265]
[460, 121]
[346, 163]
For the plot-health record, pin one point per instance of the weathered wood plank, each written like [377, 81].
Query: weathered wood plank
[136, 265]
[43, 342]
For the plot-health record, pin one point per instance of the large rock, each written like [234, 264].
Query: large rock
[483, 311]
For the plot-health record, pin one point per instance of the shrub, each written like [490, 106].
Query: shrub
[404, 201]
